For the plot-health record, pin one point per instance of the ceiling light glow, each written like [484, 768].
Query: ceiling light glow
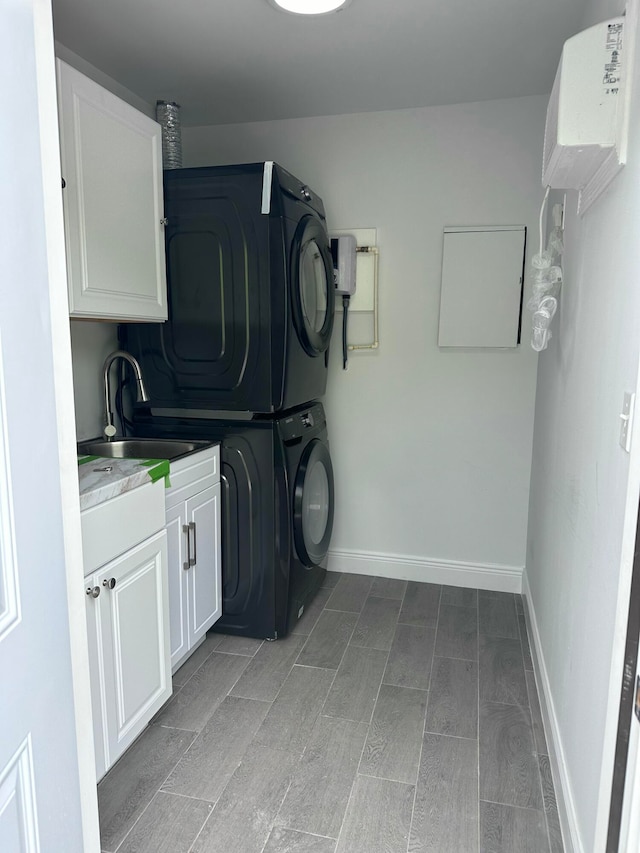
[310, 7]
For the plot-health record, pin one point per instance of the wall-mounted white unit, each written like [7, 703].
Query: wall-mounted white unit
[585, 127]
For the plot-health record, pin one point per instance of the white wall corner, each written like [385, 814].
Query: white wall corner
[490, 576]
[561, 782]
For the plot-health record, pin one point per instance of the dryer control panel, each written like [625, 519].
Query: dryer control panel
[297, 424]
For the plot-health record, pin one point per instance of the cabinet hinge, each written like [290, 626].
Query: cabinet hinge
[164, 221]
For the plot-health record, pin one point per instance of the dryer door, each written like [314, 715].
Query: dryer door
[313, 503]
[312, 288]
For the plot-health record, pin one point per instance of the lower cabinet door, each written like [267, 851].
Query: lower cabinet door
[134, 617]
[204, 582]
[178, 576]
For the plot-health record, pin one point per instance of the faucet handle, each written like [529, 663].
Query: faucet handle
[109, 431]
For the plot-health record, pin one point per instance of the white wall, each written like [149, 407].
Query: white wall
[91, 343]
[584, 491]
[432, 449]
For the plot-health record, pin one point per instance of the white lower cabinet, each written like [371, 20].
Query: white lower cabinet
[128, 644]
[127, 606]
[194, 558]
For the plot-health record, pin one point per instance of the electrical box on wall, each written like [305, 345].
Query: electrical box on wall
[482, 286]
[363, 294]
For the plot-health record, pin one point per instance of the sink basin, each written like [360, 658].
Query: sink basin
[140, 448]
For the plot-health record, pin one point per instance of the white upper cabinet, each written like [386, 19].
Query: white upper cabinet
[112, 170]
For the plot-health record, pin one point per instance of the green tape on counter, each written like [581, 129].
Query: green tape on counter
[158, 468]
[82, 460]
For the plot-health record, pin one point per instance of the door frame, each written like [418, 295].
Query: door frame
[44, 60]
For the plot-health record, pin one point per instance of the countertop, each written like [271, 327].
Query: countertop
[101, 479]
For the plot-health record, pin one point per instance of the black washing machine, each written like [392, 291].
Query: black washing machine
[250, 293]
[277, 512]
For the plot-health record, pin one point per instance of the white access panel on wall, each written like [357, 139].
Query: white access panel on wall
[481, 290]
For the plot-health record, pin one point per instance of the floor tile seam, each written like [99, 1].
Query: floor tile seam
[231, 695]
[234, 654]
[456, 737]
[182, 686]
[373, 648]
[175, 728]
[142, 813]
[364, 745]
[387, 779]
[388, 597]
[488, 636]
[509, 705]
[346, 719]
[350, 797]
[337, 610]
[459, 606]
[226, 695]
[188, 796]
[384, 669]
[310, 666]
[424, 725]
[302, 831]
[400, 686]
[336, 675]
[205, 822]
[452, 657]
[418, 624]
[433, 657]
[511, 806]
[294, 770]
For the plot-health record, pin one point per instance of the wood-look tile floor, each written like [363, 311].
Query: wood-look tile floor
[396, 718]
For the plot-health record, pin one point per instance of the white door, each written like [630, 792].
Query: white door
[40, 789]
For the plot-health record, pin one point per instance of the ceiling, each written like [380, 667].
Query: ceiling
[242, 60]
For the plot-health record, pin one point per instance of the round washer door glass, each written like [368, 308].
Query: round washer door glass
[314, 504]
[312, 288]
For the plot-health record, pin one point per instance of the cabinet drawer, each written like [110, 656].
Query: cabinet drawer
[112, 527]
[192, 474]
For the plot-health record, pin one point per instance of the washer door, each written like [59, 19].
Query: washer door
[313, 504]
[312, 288]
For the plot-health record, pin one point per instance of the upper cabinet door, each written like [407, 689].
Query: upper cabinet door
[112, 169]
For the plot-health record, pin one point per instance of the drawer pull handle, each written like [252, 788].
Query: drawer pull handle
[109, 583]
[192, 527]
[93, 591]
[187, 563]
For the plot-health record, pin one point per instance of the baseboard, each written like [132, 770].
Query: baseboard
[564, 794]
[480, 575]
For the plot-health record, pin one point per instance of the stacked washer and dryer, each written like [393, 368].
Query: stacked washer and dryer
[243, 359]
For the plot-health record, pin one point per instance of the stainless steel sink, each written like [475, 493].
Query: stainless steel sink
[140, 448]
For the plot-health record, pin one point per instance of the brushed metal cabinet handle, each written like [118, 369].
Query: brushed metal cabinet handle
[192, 527]
[187, 563]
